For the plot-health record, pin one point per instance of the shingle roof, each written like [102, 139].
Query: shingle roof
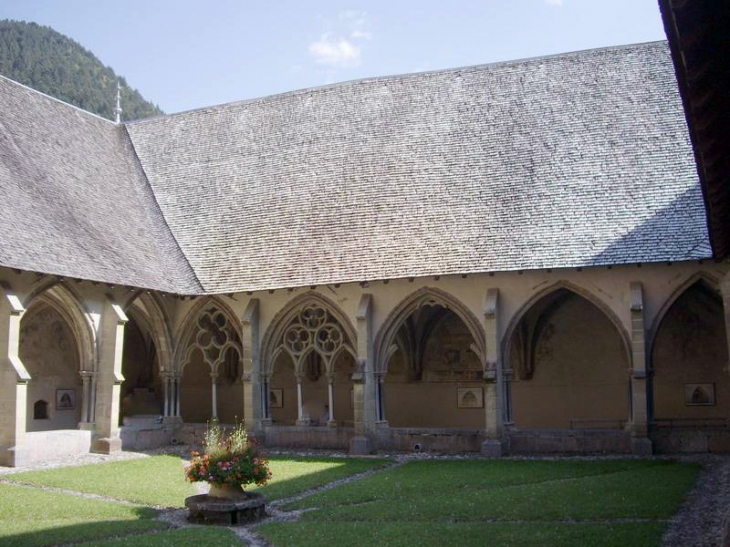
[573, 160]
[75, 201]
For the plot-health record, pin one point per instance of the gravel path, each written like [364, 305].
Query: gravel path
[700, 522]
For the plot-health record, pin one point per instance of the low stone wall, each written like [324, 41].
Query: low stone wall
[672, 441]
[332, 438]
[571, 441]
[47, 445]
[447, 441]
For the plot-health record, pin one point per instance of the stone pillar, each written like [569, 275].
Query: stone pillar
[364, 387]
[166, 385]
[14, 380]
[494, 444]
[177, 384]
[87, 400]
[640, 442]
[725, 291]
[214, 397]
[109, 378]
[253, 402]
[331, 398]
[300, 402]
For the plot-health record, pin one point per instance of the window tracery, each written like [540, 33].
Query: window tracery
[218, 342]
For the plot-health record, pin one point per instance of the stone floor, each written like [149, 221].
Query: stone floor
[700, 522]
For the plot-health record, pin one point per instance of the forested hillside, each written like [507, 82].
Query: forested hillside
[48, 61]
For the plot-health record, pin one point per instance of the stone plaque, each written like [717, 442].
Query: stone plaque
[469, 397]
[699, 394]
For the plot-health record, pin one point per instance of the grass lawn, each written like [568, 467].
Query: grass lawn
[472, 502]
[30, 518]
[159, 480]
[424, 502]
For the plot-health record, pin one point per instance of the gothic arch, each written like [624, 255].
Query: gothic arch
[189, 327]
[154, 318]
[70, 306]
[296, 317]
[699, 277]
[577, 290]
[428, 296]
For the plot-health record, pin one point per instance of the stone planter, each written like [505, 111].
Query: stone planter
[227, 506]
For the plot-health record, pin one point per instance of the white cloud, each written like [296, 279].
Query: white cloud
[554, 3]
[360, 35]
[332, 51]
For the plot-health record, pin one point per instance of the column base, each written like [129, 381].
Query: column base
[106, 445]
[642, 446]
[360, 446]
[495, 448]
[304, 422]
[14, 456]
[87, 426]
[331, 423]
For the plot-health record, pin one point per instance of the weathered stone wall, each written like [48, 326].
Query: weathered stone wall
[48, 350]
[142, 388]
[690, 348]
[581, 372]
[429, 397]
[196, 402]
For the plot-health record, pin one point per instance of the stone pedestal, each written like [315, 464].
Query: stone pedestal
[642, 446]
[494, 448]
[205, 509]
[360, 446]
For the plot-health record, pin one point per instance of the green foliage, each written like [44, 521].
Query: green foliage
[41, 58]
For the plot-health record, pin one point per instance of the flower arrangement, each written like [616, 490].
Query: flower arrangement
[232, 460]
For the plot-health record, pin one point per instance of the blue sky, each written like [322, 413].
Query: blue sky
[185, 54]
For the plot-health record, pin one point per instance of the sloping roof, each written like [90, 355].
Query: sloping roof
[75, 201]
[700, 44]
[574, 160]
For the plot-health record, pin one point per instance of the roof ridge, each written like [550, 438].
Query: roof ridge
[304, 90]
[151, 190]
[64, 103]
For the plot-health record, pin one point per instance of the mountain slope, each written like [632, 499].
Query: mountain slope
[46, 60]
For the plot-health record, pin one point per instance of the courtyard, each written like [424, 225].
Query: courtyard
[415, 499]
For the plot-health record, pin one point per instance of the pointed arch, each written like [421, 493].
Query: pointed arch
[154, 318]
[698, 277]
[427, 296]
[575, 289]
[271, 344]
[72, 309]
[189, 327]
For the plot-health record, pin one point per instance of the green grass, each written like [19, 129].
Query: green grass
[157, 480]
[463, 534]
[428, 502]
[160, 480]
[34, 518]
[209, 536]
[509, 502]
[294, 475]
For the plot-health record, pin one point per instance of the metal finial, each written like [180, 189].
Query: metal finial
[118, 108]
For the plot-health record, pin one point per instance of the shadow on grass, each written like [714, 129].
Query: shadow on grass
[52, 532]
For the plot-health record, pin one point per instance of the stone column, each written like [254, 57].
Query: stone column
[331, 397]
[253, 402]
[166, 385]
[725, 291]
[109, 378]
[14, 380]
[214, 397]
[300, 416]
[87, 400]
[177, 384]
[640, 442]
[364, 381]
[494, 444]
